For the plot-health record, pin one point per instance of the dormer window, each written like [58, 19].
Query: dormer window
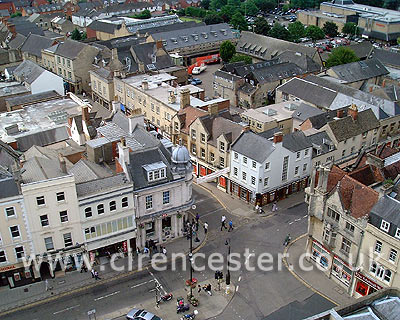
[385, 225]
[155, 171]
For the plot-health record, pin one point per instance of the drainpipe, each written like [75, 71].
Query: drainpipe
[351, 286]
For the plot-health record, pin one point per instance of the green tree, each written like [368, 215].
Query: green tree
[84, 36]
[16, 14]
[249, 8]
[303, 3]
[330, 29]
[234, 3]
[341, 55]
[350, 28]
[315, 33]
[217, 4]
[76, 35]
[213, 18]
[280, 32]
[145, 14]
[261, 26]
[227, 12]
[398, 40]
[205, 4]
[241, 57]
[227, 50]
[181, 12]
[296, 30]
[391, 4]
[265, 5]
[239, 22]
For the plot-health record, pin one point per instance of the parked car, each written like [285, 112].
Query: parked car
[141, 314]
[196, 81]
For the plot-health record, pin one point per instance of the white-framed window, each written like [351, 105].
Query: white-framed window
[266, 181]
[397, 234]
[3, 257]
[124, 202]
[193, 134]
[343, 153]
[165, 197]
[253, 180]
[60, 196]
[67, 239]
[194, 150]
[385, 225]
[333, 214]
[10, 212]
[253, 164]
[306, 153]
[40, 201]
[14, 230]
[296, 171]
[19, 252]
[298, 155]
[387, 276]
[113, 205]
[48, 243]
[244, 176]
[392, 255]
[378, 246]
[346, 245]
[44, 220]
[304, 167]
[202, 137]
[267, 166]
[235, 156]
[212, 157]
[349, 227]
[245, 160]
[222, 146]
[88, 212]
[63, 216]
[222, 162]
[149, 202]
[285, 168]
[100, 209]
[235, 171]
[202, 153]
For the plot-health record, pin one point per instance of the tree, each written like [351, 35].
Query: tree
[391, 4]
[205, 4]
[296, 30]
[341, 55]
[249, 8]
[76, 35]
[16, 14]
[217, 4]
[261, 26]
[145, 14]
[315, 33]
[84, 36]
[330, 29]
[213, 18]
[265, 5]
[239, 22]
[398, 40]
[280, 32]
[241, 57]
[303, 3]
[350, 28]
[227, 12]
[227, 50]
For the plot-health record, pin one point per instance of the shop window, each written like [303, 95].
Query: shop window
[361, 288]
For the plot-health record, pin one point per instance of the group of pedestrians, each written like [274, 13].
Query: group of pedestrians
[223, 224]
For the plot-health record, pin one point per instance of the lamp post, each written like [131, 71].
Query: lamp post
[228, 272]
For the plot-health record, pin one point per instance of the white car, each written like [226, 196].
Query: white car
[140, 314]
[198, 70]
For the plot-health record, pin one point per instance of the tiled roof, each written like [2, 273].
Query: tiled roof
[70, 48]
[32, 98]
[39, 169]
[301, 60]
[387, 57]
[188, 115]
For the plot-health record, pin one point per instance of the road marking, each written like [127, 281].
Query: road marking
[158, 284]
[107, 295]
[237, 288]
[66, 309]
[140, 284]
[152, 290]
[298, 219]
[240, 278]
[291, 222]
[305, 216]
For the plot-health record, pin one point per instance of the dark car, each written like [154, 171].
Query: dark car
[196, 81]
[141, 314]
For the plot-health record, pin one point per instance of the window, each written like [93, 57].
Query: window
[343, 153]
[392, 255]
[19, 252]
[203, 137]
[266, 181]
[285, 168]
[113, 205]
[397, 235]
[88, 212]
[221, 162]
[157, 108]
[378, 247]
[10, 212]
[165, 197]
[68, 239]
[40, 201]
[267, 166]
[193, 134]
[3, 257]
[387, 276]
[306, 153]
[124, 202]
[245, 160]
[149, 202]
[333, 214]
[64, 216]
[60, 196]
[304, 167]
[212, 157]
[235, 171]
[68, 63]
[58, 60]
[14, 231]
[100, 209]
[244, 175]
[48, 242]
[202, 153]
[235, 156]
[253, 164]
[44, 220]
[222, 146]
[346, 245]
[194, 149]
[373, 267]
[385, 225]
[349, 227]
[296, 171]
[298, 155]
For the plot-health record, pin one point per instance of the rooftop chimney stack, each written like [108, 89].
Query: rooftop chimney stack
[339, 114]
[185, 98]
[63, 165]
[353, 112]
[145, 85]
[278, 137]
[159, 44]
[213, 109]
[85, 113]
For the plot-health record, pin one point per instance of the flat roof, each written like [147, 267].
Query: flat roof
[272, 112]
[15, 88]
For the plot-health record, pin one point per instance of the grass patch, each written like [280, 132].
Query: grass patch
[198, 20]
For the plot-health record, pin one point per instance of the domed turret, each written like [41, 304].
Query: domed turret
[180, 155]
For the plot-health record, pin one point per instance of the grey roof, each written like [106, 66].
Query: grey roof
[8, 187]
[17, 42]
[230, 67]
[146, 53]
[387, 57]
[4, 13]
[122, 42]
[103, 26]
[32, 98]
[226, 75]
[70, 48]
[320, 140]
[321, 119]
[243, 70]
[42, 138]
[35, 43]
[40, 169]
[390, 92]
[361, 70]
[301, 60]
[85, 170]
[387, 209]
[277, 72]
[253, 146]
[8, 156]
[101, 185]
[296, 141]
[305, 111]
[25, 27]
[104, 73]
[189, 37]
[170, 27]
[28, 71]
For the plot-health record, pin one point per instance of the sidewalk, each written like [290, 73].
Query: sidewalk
[315, 279]
[209, 306]
[75, 281]
[241, 208]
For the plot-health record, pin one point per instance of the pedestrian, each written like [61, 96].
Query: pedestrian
[46, 283]
[92, 272]
[83, 267]
[274, 207]
[137, 251]
[230, 226]
[205, 227]
[199, 289]
[197, 218]
[145, 250]
[96, 276]
[223, 222]
[164, 251]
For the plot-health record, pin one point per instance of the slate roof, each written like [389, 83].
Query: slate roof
[387, 209]
[319, 139]
[28, 71]
[277, 72]
[188, 115]
[305, 111]
[144, 53]
[226, 75]
[176, 39]
[296, 141]
[319, 120]
[70, 48]
[230, 67]
[360, 70]
[17, 42]
[32, 98]
[8, 187]
[245, 69]
[390, 92]
[170, 27]
[40, 169]
[25, 27]
[388, 58]
[8, 156]
[101, 185]
[85, 170]
[223, 126]
[253, 146]
[345, 128]
[303, 61]
[42, 138]
[103, 26]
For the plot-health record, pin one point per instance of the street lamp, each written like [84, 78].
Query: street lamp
[228, 273]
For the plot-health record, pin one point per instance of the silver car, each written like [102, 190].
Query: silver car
[141, 314]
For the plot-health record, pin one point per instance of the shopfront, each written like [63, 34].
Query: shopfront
[341, 271]
[320, 254]
[364, 285]
[16, 275]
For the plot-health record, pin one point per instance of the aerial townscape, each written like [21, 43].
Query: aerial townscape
[200, 159]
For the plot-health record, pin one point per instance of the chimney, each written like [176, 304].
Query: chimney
[135, 120]
[171, 97]
[213, 109]
[246, 128]
[85, 113]
[114, 54]
[63, 165]
[278, 137]
[339, 114]
[370, 89]
[185, 98]
[123, 154]
[384, 83]
[159, 44]
[353, 112]
[115, 106]
[145, 85]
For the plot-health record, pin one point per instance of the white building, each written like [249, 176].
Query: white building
[265, 169]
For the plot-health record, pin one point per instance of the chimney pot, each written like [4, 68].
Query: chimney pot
[159, 44]
[85, 113]
[123, 142]
[278, 137]
[339, 113]
[353, 111]
[185, 98]
[145, 85]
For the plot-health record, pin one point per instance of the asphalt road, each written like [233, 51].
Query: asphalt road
[259, 293]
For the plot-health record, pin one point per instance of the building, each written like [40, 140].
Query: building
[226, 85]
[38, 80]
[11, 91]
[48, 58]
[264, 169]
[32, 47]
[19, 102]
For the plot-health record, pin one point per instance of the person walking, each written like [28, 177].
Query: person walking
[205, 227]
[164, 251]
[223, 222]
[46, 283]
[199, 289]
[230, 226]
[96, 275]
[274, 207]
[92, 272]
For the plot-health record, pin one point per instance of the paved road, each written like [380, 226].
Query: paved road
[259, 293]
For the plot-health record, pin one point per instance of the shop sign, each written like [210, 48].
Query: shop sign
[7, 268]
[380, 25]
[368, 281]
[125, 246]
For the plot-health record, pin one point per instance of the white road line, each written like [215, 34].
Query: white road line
[140, 284]
[237, 288]
[157, 282]
[298, 219]
[66, 309]
[291, 222]
[152, 290]
[305, 216]
[107, 295]
[240, 278]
